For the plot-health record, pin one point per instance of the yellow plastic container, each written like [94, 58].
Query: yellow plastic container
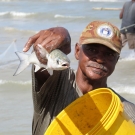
[99, 112]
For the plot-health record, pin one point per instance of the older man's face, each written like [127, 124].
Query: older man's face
[96, 61]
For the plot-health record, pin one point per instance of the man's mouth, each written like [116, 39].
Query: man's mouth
[98, 66]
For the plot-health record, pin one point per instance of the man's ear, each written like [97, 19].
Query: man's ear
[77, 51]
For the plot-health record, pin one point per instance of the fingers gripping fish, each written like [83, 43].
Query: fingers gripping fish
[56, 60]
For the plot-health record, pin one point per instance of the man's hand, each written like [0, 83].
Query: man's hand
[50, 39]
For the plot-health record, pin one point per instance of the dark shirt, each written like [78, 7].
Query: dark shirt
[128, 17]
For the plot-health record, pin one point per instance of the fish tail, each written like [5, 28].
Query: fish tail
[23, 62]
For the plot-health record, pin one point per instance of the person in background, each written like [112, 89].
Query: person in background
[127, 15]
[97, 53]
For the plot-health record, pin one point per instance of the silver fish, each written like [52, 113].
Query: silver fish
[56, 60]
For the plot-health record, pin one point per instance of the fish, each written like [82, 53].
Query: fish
[56, 60]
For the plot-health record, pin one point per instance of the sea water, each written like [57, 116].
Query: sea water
[21, 19]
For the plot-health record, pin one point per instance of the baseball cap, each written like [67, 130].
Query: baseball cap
[103, 33]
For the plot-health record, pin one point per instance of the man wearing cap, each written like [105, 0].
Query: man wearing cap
[97, 53]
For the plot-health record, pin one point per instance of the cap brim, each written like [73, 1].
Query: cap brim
[100, 41]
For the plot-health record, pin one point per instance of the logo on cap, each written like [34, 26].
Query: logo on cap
[105, 31]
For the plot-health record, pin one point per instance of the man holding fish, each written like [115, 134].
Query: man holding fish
[97, 53]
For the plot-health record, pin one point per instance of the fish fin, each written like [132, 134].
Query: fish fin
[23, 62]
[36, 67]
[44, 53]
[50, 71]
[43, 69]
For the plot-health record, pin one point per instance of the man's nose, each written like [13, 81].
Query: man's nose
[100, 57]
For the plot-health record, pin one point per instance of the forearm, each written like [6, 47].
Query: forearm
[41, 77]
[121, 13]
